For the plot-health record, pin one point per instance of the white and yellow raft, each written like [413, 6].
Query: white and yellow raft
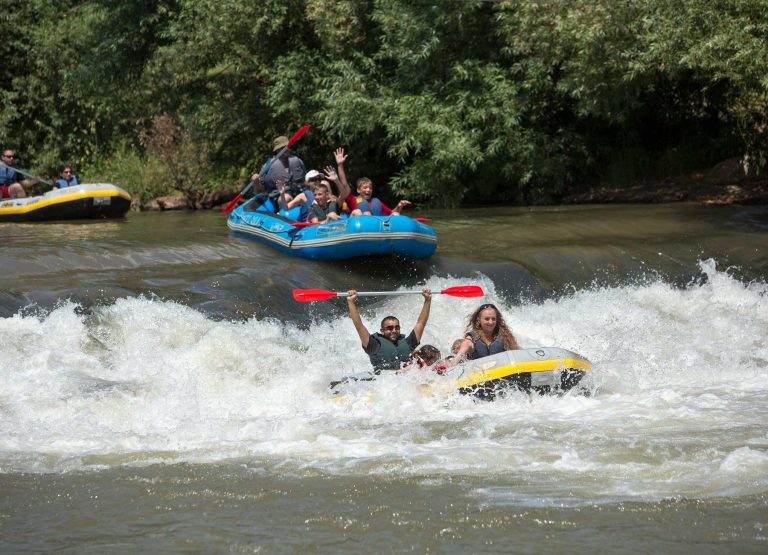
[80, 202]
[543, 370]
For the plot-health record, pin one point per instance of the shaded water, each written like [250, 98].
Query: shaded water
[161, 390]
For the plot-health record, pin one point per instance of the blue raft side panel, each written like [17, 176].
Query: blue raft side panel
[345, 238]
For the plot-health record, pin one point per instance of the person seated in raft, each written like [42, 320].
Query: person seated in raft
[66, 177]
[455, 346]
[424, 357]
[336, 175]
[285, 166]
[452, 359]
[306, 198]
[323, 209]
[372, 206]
[12, 183]
[388, 348]
[346, 198]
[487, 334]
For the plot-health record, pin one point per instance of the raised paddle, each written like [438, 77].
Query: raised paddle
[308, 295]
[296, 136]
[22, 172]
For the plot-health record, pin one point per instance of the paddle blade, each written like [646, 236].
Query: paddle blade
[233, 202]
[464, 291]
[421, 219]
[308, 295]
[304, 224]
[298, 135]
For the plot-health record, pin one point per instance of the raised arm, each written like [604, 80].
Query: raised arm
[282, 195]
[330, 173]
[421, 322]
[362, 331]
[343, 184]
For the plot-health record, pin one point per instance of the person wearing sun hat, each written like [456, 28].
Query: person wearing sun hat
[282, 176]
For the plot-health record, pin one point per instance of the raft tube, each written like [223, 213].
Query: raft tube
[79, 202]
[338, 240]
[542, 370]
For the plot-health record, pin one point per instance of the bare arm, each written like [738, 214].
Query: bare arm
[466, 347]
[343, 184]
[421, 322]
[400, 206]
[362, 331]
[331, 174]
[258, 186]
[283, 196]
[299, 199]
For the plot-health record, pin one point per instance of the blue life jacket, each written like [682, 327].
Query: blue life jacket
[374, 207]
[304, 212]
[8, 175]
[61, 182]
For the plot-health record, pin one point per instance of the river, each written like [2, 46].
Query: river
[161, 391]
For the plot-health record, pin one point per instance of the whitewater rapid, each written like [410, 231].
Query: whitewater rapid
[678, 404]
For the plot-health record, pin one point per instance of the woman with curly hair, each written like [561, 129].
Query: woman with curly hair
[487, 334]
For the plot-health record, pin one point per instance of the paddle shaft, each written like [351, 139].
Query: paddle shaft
[22, 172]
[385, 293]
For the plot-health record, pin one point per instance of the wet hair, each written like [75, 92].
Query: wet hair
[389, 318]
[63, 167]
[456, 344]
[501, 329]
[429, 354]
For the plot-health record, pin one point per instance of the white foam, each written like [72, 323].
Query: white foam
[679, 405]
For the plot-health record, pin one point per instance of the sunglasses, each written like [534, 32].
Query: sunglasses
[391, 328]
[484, 306]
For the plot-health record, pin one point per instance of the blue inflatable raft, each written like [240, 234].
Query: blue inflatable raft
[345, 238]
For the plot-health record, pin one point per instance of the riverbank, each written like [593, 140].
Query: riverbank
[725, 183]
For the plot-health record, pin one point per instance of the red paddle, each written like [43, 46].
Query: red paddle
[308, 295]
[296, 136]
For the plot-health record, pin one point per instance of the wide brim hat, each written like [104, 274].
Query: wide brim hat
[279, 143]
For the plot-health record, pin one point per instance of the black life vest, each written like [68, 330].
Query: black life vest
[390, 356]
[481, 349]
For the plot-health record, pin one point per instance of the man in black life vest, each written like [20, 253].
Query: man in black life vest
[388, 348]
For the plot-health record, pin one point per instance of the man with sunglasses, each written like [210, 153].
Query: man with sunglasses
[11, 182]
[388, 348]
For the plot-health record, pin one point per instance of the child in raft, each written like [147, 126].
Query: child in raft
[372, 206]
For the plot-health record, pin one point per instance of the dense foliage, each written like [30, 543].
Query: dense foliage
[446, 100]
